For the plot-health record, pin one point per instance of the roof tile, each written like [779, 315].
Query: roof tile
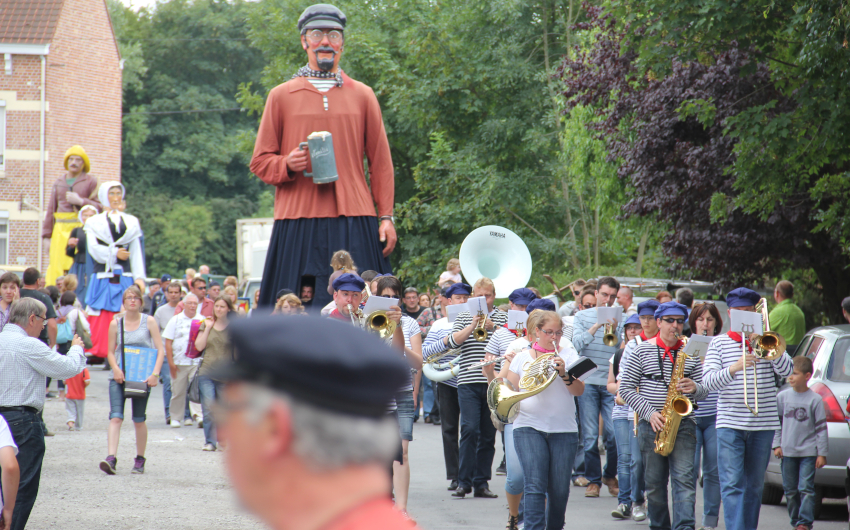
[28, 21]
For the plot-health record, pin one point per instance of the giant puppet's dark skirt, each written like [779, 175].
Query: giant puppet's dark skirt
[303, 247]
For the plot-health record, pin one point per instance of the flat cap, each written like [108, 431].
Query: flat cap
[327, 363]
[458, 288]
[165, 278]
[633, 319]
[323, 16]
[544, 304]
[648, 307]
[522, 296]
[672, 309]
[349, 282]
[742, 297]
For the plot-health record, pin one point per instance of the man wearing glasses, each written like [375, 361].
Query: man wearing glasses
[25, 362]
[314, 220]
[199, 289]
[596, 400]
[650, 368]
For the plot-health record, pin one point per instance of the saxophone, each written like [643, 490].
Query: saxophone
[676, 407]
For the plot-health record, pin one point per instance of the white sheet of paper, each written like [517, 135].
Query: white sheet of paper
[453, 310]
[697, 346]
[375, 303]
[516, 317]
[604, 314]
[748, 320]
[478, 303]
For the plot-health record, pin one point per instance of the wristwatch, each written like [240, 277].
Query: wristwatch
[389, 218]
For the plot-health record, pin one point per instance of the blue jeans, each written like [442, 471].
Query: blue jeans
[210, 390]
[477, 436]
[679, 466]
[595, 400]
[629, 464]
[28, 432]
[546, 459]
[798, 481]
[116, 403]
[742, 461]
[514, 482]
[707, 442]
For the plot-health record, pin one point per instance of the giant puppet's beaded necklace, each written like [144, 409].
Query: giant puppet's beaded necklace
[306, 71]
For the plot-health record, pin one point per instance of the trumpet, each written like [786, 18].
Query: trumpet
[768, 346]
[480, 332]
[378, 322]
[609, 338]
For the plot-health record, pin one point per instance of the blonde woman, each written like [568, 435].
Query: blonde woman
[231, 293]
[288, 304]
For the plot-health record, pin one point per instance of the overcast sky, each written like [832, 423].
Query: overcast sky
[138, 4]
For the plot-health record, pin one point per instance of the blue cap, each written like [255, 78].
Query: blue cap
[671, 308]
[349, 282]
[544, 304]
[522, 296]
[742, 297]
[458, 288]
[634, 319]
[321, 361]
[648, 307]
[165, 278]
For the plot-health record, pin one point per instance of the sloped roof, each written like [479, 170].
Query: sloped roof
[28, 21]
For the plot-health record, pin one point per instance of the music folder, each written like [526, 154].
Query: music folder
[749, 321]
[581, 368]
[604, 314]
[375, 303]
[697, 346]
[516, 318]
[452, 311]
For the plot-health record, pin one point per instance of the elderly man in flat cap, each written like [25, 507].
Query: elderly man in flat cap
[304, 415]
[72, 191]
[313, 220]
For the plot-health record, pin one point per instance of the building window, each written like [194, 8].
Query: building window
[4, 237]
[2, 136]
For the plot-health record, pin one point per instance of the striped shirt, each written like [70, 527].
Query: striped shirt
[591, 346]
[323, 85]
[472, 351]
[722, 353]
[434, 344]
[625, 411]
[409, 328]
[708, 406]
[643, 370]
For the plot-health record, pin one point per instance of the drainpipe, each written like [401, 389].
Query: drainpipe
[41, 166]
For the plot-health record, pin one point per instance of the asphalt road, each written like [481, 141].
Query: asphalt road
[185, 488]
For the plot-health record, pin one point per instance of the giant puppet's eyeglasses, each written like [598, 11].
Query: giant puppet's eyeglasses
[316, 35]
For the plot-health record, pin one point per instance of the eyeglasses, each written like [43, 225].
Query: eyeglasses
[576, 293]
[587, 306]
[43, 320]
[316, 35]
[674, 320]
[552, 333]
[131, 298]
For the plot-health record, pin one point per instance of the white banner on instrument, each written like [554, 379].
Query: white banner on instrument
[604, 314]
[452, 311]
[749, 321]
[516, 317]
[479, 303]
[697, 346]
[376, 303]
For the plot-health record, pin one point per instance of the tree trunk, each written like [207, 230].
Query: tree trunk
[831, 271]
[641, 249]
[596, 239]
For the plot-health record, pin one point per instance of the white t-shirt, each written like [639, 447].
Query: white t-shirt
[554, 409]
[177, 330]
[6, 440]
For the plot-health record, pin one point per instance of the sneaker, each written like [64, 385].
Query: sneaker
[592, 490]
[581, 482]
[107, 465]
[176, 424]
[639, 512]
[187, 422]
[613, 485]
[622, 511]
[199, 421]
[513, 523]
[208, 447]
[138, 465]
[502, 469]
[50, 395]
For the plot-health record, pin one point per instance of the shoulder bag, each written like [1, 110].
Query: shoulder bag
[132, 389]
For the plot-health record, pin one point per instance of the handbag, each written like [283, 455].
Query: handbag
[194, 392]
[195, 327]
[132, 389]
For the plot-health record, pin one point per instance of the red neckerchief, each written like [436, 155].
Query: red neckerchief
[737, 338]
[644, 337]
[516, 332]
[667, 351]
[541, 349]
[337, 315]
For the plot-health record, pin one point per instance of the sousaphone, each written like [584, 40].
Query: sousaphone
[499, 254]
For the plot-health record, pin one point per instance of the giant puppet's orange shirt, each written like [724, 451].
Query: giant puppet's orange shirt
[294, 110]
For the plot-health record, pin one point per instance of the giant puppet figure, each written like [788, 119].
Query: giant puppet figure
[114, 243]
[314, 220]
[77, 188]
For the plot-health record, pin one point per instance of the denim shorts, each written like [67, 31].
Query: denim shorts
[116, 403]
[404, 401]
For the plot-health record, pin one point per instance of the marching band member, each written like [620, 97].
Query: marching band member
[545, 432]
[587, 339]
[651, 367]
[705, 320]
[436, 342]
[477, 433]
[743, 438]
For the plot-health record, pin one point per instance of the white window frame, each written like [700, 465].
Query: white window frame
[4, 220]
[2, 135]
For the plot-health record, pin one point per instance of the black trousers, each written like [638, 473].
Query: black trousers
[450, 423]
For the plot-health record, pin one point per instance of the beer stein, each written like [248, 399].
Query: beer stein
[322, 159]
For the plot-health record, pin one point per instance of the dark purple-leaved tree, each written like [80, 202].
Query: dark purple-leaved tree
[668, 135]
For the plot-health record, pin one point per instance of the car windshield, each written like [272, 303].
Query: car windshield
[839, 364]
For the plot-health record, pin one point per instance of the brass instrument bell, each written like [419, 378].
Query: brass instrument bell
[609, 338]
[378, 322]
[480, 332]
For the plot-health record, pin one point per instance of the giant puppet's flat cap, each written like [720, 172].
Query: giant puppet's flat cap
[322, 16]
[321, 361]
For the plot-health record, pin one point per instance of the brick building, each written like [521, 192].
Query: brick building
[60, 85]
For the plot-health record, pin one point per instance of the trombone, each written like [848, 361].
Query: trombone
[768, 346]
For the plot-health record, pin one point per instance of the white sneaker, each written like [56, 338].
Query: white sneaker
[638, 512]
[208, 447]
[187, 422]
[176, 424]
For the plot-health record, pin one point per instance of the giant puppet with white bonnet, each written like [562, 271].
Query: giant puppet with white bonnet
[114, 243]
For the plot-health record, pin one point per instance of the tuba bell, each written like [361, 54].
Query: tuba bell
[496, 253]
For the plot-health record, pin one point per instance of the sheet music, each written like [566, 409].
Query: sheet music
[697, 346]
[478, 303]
[516, 317]
[375, 303]
[453, 310]
[604, 314]
[749, 321]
